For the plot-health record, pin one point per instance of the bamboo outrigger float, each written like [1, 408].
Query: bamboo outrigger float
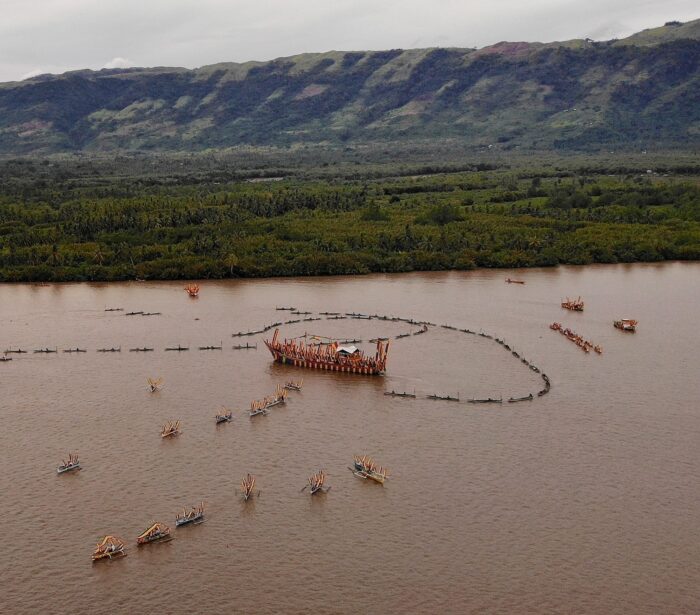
[224, 416]
[192, 290]
[365, 467]
[331, 357]
[155, 384]
[573, 304]
[158, 532]
[248, 487]
[315, 483]
[73, 463]
[626, 324]
[294, 386]
[195, 516]
[170, 429]
[109, 548]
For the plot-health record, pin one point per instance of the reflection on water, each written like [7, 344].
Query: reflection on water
[584, 500]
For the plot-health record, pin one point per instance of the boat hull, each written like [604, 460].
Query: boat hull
[324, 365]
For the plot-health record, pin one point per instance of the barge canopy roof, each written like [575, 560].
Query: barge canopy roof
[347, 349]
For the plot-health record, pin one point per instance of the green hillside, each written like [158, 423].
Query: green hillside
[577, 95]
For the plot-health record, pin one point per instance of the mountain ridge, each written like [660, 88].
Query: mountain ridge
[578, 95]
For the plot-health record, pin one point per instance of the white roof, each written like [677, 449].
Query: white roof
[347, 349]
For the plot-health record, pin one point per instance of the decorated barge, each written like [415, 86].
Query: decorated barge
[332, 357]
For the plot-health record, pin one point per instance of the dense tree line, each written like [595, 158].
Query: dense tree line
[89, 230]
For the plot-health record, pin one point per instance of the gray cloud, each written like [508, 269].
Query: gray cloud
[58, 35]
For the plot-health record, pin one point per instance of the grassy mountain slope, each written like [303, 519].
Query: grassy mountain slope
[578, 95]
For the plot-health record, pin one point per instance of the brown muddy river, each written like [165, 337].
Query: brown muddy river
[584, 500]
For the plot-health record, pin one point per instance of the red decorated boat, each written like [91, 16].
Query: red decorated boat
[332, 357]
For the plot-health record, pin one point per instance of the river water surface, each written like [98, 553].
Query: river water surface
[585, 500]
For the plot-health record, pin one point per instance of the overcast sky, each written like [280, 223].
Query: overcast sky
[39, 36]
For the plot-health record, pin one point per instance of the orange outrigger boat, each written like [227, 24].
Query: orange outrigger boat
[573, 304]
[332, 357]
[110, 547]
[192, 290]
[626, 324]
[170, 429]
[158, 532]
[247, 487]
[315, 483]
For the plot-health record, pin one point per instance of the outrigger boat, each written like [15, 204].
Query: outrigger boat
[510, 281]
[170, 429]
[289, 309]
[573, 304]
[315, 483]
[68, 466]
[155, 384]
[4, 358]
[178, 348]
[46, 351]
[331, 357]
[18, 351]
[139, 313]
[488, 400]
[110, 547]
[114, 309]
[75, 350]
[257, 407]
[144, 349]
[365, 467]
[443, 397]
[626, 324]
[212, 347]
[192, 290]
[119, 349]
[393, 393]
[194, 516]
[516, 399]
[247, 487]
[261, 406]
[246, 347]
[224, 416]
[294, 386]
[158, 532]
